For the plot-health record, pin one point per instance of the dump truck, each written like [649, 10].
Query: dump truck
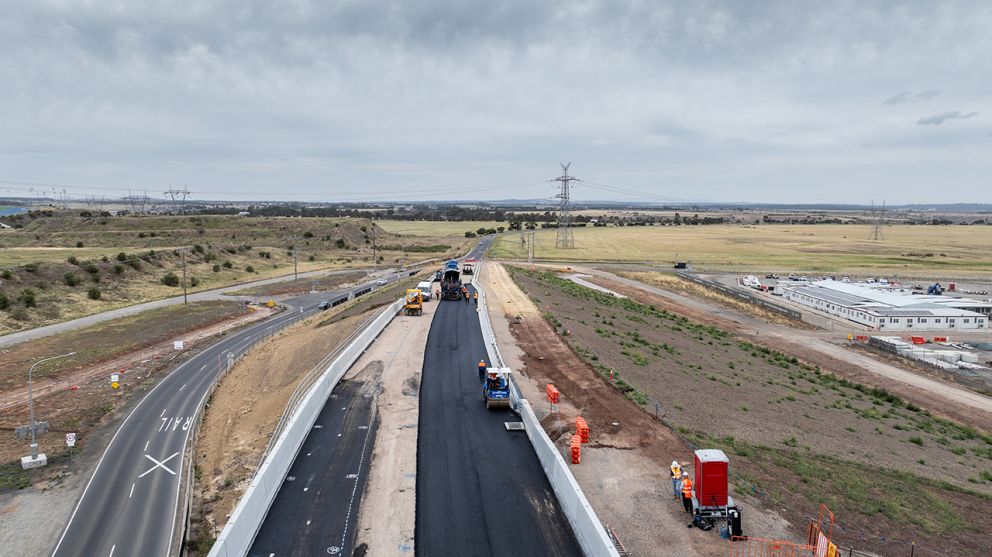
[496, 388]
[413, 303]
[451, 284]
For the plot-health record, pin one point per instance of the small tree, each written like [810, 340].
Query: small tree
[481, 230]
[93, 293]
[27, 298]
[4, 301]
[228, 265]
[79, 244]
[470, 234]
[70, 279]
[249, 269]
[216, 268]
[122, 256]
[72, 260]
[170, 279]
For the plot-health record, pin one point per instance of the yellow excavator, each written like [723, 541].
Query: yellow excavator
[414, 302]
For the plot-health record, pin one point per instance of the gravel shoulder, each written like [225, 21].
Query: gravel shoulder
[386, 518]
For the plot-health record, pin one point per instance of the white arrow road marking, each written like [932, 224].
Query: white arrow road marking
[159, 464]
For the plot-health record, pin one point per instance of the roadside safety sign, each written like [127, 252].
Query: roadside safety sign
[70, 439]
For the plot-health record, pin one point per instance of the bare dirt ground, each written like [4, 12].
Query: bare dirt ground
[329, 282]
[386, 518]
[129, 361]
[624, 470]
[244, 411]
[794, 432]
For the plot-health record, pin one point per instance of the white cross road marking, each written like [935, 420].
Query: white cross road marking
[159, 464]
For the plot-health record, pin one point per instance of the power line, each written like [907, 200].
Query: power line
[876, 221]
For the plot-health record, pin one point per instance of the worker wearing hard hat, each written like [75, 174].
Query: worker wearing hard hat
[482, 370]
[475, 296]
[686, 492]
[676, 479]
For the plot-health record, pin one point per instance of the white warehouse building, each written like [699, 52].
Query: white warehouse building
[890, 309]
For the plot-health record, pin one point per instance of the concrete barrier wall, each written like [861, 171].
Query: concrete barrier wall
[239, 533]
[588, 530]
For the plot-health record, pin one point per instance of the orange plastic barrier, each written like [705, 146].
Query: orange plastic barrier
[582, 428]
[576, 449]
[862, 338]
[918, 340]
[552, 394]
[940, 339]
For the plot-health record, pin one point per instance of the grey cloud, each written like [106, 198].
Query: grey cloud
[911, 97]
[938, 119]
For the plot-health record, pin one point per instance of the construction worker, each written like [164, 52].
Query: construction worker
[493, 380]
[437, 293]
[482, 370]
[676, 479]
[475, 296]
[686, 492]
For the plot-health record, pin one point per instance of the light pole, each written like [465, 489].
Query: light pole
[34, 437]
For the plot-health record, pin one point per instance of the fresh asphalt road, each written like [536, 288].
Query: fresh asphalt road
[130, 505]
[480, 488]
[316, 510]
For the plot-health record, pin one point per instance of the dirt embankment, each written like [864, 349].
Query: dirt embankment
[797, 435]
[624, 469]
[244, 411]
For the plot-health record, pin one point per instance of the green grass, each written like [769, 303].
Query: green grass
[846, 487]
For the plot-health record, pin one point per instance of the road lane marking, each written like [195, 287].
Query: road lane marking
[132, 492]
[159, 464]
[163, 413]
[112, 550]
[148, 442]
[183, 387]
[204, 367]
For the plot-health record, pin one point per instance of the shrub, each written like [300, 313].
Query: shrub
[228, 265]
[216, 268]
[93, 293]
[249, 269]
[340, 243]
[308, 234]
[70, 279]
[79, 244]
[916, 440]
[790, 442]
[193, 281]
[72, 260]
[20, 314]
[104, 259]
[197, 248]
[27, 298]
[311, 258]
[92, 269]
[4, 301]
[141, 234]
[470, 234]
[31, 267]
[170, 279]
[6, 275]
[135, 264]
[118, 269]
[122, 256]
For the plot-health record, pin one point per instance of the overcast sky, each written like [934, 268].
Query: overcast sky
[350, 100]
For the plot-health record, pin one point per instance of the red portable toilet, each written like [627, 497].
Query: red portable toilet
[711, 478]
[951, 287]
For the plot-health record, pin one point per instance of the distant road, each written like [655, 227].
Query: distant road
[217, 294]
[130, 505]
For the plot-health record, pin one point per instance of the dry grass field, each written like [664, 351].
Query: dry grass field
[838, 249]
[435, 228]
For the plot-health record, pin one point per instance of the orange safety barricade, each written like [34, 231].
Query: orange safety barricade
[576, 449]
[862, 338]
[552, 394]
[758, 547]
[582, 428]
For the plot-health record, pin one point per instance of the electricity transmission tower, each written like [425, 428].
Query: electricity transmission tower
[178, 195]
[876, 221]
[564, 239]
[137, 202]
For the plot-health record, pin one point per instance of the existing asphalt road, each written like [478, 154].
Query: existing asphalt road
[480, 488]
[130, 505]
[315, 512]
[217, 294]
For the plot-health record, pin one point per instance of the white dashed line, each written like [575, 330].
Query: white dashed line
[162, 414]
[132, 492]
[146, 445]
[112, 550]
[183, 387]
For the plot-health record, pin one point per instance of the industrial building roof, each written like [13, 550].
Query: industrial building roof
[889, 303]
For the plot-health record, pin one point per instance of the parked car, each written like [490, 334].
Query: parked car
[381, 281]
[325, 304]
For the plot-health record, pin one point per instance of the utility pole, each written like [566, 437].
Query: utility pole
[182, 253]
[179, 195]
[564, 239]
[530, 249]
[876, 221]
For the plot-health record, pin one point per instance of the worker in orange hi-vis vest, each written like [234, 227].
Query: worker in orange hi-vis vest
[686, 492]
[482, 370]
[475, 296]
